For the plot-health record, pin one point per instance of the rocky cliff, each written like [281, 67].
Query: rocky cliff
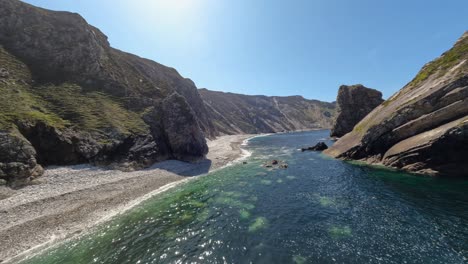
[422, 128]
[236, 113]
[353, 102]
[68, 97]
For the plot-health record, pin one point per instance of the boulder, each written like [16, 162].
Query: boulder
[318, 147]
[275, 164]
[353, 104]
[186, 140]
[17, 158]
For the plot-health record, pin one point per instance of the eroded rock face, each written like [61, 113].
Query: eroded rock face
[69, 98]
[17, 158]
[186, 139]
[423, 127]
[354, 102]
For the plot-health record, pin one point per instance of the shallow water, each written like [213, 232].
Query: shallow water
[319, 210]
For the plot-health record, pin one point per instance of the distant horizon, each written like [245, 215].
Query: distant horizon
[274, 48]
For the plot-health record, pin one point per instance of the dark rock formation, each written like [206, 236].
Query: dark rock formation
[275, 164]
[236, 113]
[185, 137]
[68, 98]
[17, 158]
[353, 104]
[422, 128]
[318, 147]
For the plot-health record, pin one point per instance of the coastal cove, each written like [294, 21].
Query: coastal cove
[70, 200]
[318, 210]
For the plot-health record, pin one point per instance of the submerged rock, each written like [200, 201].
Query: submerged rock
[275, 164]
[318, 147]
[354, 102]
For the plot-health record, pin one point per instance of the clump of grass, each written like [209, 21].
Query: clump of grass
[440, 65]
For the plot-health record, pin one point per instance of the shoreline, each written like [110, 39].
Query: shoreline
[69, 200]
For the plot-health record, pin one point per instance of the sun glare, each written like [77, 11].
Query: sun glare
[166, 11]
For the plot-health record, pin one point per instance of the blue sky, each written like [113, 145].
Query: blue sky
[272, 47]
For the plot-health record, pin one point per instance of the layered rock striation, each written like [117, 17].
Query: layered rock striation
[423, 128]
[237, 113]
[353, 102]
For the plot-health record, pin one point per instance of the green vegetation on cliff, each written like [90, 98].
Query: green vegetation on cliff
[64, 105]
[443, 63]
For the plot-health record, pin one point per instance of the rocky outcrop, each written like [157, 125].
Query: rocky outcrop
[236, 113]
[318, 147]
[68, 97]
[17, 158]
[423, 127]
[185, 137]
[353, 104]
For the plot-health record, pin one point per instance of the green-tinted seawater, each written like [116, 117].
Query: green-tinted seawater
[319, 210]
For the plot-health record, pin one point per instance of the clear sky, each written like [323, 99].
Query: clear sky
[281, 47]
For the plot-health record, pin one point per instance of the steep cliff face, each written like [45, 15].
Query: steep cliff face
[68, 97]
[236, 113]
[353, 104]
[422, 128]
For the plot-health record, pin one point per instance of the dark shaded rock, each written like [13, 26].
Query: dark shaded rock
[186, 140]
[17, 158]
[353, 104]
[59, 147]
[275, 164]
[423, 127]
[318, 147]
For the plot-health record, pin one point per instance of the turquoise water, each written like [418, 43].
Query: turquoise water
[319, 210]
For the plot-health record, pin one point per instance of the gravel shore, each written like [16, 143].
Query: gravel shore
[68, 200]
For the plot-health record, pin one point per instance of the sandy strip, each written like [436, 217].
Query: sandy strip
[69, 200]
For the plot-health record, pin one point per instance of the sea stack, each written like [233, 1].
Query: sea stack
[354, 102]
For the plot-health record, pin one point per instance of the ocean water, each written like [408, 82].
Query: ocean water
[318, 210]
